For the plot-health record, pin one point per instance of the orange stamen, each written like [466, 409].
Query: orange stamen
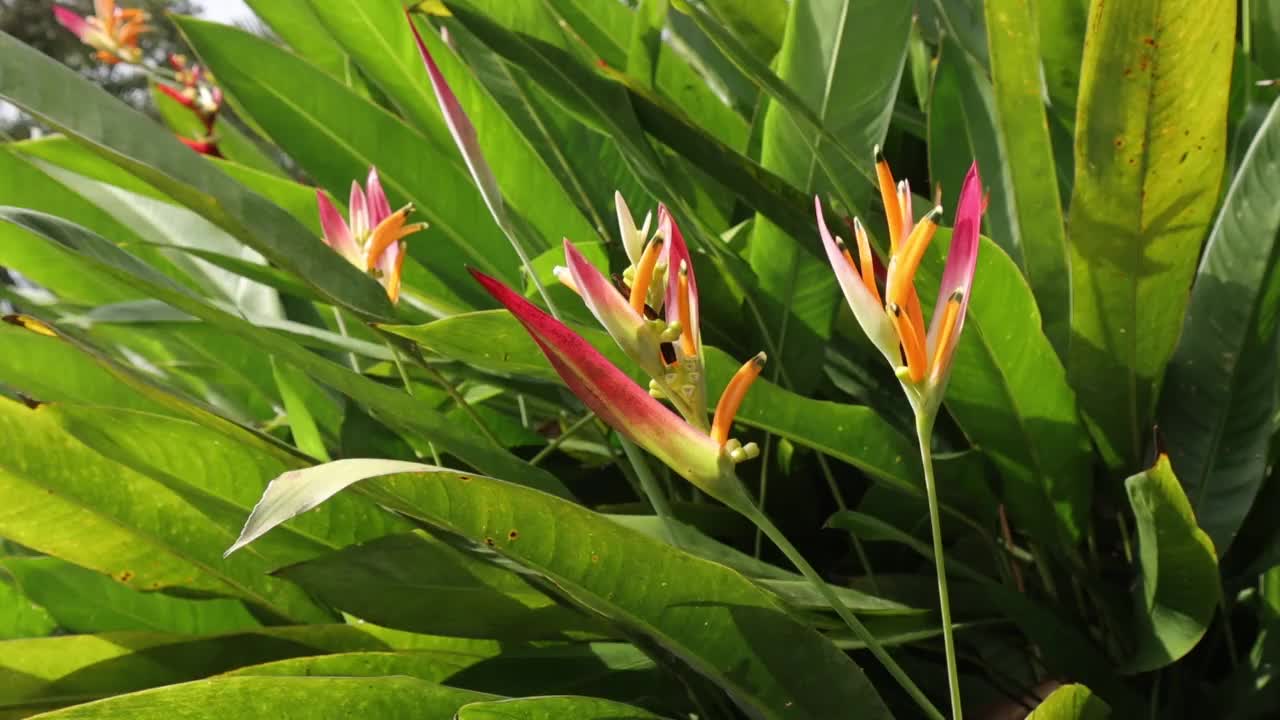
[903, 269]
[949, 321]
[913, 346]
[889, 194]
[866, 262]
[644, 275]
[388, 231]
[393, 279]
[731, 398]
[687, 344]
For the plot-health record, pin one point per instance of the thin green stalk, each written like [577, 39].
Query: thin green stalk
[558, 440]
[859, 630]
[444, 383]
[924, 430]
[651, 488]
[841, 505]
[342, 329]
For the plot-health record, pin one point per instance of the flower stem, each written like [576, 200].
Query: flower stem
[768, 528]
[924, 430]
[651, 488]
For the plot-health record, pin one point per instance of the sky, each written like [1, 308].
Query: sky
[224, 10]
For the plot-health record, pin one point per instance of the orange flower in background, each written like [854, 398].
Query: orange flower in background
[112, 31]
[374, 239]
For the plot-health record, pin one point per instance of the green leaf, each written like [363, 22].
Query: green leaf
[393, 698]
[411, 581]
[553, 708]
[124, 136]
[962, 105]
[83, 601]
[338, 135]
[1009, 393]
[399, 409]
[298, 25]
[20, 616]
[61, 498]
[1062, 28]
[221, 474]
[45, 369]
[302, 424]
[46, 673]
[1220, 397]
[1178, 567]
[850, 79]
[1071, 702]
[377, 36]
[1024, 135]
[1149, 155]
[761, 25]
[708, 615]
[612, 670]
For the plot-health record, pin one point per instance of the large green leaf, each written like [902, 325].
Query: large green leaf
[414, 582]
[1149, 155]
[128, 139]
[1220, 392]
[46, 673]
[850, 79]
[63, 499]
[83, 601]
[399, 409]
[46, 369]
[1024, 135]
[553, 708]
[337, 136]
[1071, 702]
[1179, 570]
[709, 616]
[222, 475]
[391, 698]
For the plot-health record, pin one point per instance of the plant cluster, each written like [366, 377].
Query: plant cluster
[476, 443]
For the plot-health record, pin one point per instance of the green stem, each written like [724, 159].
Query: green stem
[924, 429]
[559, 439]
[651, 488]
[859, 630]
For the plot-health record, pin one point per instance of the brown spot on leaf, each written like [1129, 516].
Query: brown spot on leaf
[489, 541]
[513, 534]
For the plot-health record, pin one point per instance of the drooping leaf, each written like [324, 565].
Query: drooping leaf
[708, 615]
[1024, 137]
[400, 409]
[1150, 150]
[131, 141]
[1220, 390]
[1178, 567]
